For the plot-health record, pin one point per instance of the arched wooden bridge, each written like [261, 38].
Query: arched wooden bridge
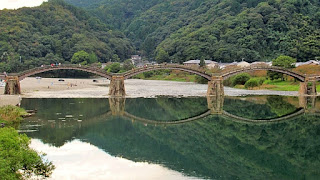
[233, 72]
[189, 69]
[215, 85]
[93, 70]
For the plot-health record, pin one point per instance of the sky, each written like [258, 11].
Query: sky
[15, 4]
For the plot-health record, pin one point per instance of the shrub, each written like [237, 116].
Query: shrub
[113, 68]
[148, 74]
[254, 82]
[228, 81]
[201, 80]
[17, 156]
[260, 80]
[240, 79]
[11, 114]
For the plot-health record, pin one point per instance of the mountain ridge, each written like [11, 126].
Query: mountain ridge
[256, 30]
[52, 33]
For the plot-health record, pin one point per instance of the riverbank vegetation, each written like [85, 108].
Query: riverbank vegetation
[256, 83]
[273, 80]
[17, 160]
[11, 114]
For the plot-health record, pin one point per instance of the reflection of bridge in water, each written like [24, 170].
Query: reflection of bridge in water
[215, 107]
[117, 88]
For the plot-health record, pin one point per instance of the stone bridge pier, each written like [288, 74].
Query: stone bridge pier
[117, 105]
[12, 85]
[308, 87]
[215, 104]
[116, 88]
[308, 103]
[215, 86]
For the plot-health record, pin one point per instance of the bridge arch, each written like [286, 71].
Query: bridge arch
[296, 75]
[136, 71]
[38, 70]
[296, 113]
[205, 114]
[150, 121]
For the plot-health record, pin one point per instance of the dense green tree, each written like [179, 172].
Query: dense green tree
[92, 58]
[202, 62]
[162, 56]
[115, 58]
[284, 61]
[281, 61]
[251, 83]
[240, 79]
[114, 67]
[80, 57]
[127, 65]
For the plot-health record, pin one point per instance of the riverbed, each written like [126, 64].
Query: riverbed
[99, 88]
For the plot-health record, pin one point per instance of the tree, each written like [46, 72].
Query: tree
[201, 80]
[114, 67]
[202, 62]
[284, 61]
[281, 61]
[92, 58]
[115, 58]
[251, 83]
[240, 79]
[80, 57]
[162, 56]
[127, 65]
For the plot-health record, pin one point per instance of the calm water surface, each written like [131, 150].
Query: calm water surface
[254, 137]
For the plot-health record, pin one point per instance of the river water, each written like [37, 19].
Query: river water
[251, 137]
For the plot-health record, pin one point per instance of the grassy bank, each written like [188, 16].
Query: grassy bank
[11, 114]
[278, 85]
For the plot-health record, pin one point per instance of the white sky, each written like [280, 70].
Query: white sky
[15, 4]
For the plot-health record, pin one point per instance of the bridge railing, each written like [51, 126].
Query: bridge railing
[2, 77]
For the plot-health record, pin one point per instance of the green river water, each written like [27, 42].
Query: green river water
[163, 138]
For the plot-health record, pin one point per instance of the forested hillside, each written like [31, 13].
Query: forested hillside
[222, 30]
[165, 30]
[52, 33]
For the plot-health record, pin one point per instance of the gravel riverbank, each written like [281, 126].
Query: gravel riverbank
[87, 88]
